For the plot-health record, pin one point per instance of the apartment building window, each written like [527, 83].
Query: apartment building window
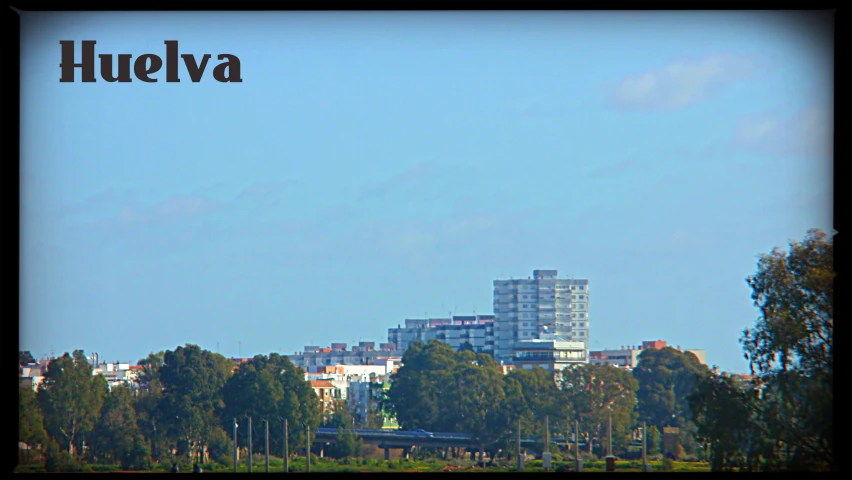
[582, 315]
[582, 297]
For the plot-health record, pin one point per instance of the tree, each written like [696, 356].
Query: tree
[192, 381]
[30, 420]
[782, 418]
[654, 440]
[541, 398]
[71, 399]
[26, 358]
[475, 399]
[340, 416]
[597, 393]
[114, 433]
[270, 387]
[346, 444]
[666, 378]
[417, 395]
[149, 395]
[791, 347]
[724, 421]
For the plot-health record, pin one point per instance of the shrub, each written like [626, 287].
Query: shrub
[668, 465]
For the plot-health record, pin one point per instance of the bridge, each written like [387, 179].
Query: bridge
[388, 439]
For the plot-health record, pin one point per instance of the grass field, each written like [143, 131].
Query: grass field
[402, 466]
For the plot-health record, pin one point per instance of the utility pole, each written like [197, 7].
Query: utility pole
[284, 438]
[577, 466]
[644, 448]
[610, 460]
[249, 444]
[545, 456]
[308, 449]
[609, 428]
[236, 454]
[520, 454]
[267, 444]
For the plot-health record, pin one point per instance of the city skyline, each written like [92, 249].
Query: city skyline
[378, 166]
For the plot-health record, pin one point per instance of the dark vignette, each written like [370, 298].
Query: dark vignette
[819, 19]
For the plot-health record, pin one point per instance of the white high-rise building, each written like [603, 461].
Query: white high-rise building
[523, 309]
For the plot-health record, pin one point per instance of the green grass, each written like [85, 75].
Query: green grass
[276, 465]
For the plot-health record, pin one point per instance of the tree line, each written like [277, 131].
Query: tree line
[186, 399]
[182, 410]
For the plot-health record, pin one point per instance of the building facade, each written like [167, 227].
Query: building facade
[477, 331]
[314, 358]
[522, 308]
[628, 356]
[552, 353]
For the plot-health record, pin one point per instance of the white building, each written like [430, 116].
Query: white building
[550, 352]
[314, 358]
[522, 308]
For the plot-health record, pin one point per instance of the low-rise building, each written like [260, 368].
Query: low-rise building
[313, 357]
[473, 331]
[550, 352]
[327, 394]
[628, 356]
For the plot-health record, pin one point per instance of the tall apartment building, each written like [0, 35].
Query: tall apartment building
[523, 309]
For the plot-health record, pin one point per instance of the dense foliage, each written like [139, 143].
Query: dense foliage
[783, 418]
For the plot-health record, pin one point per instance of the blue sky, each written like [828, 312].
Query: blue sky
[373, 167]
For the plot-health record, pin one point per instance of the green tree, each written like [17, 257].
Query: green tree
[113, 435]
[148, 397]
[666, 378]
[346, 444]
[784, 418]
[791, 347]
[71, 399]
[192, 381]
[417, 395]
[340, 416]
[475, 398]
[30, 420]
[597, 393]
[654, 440]
[724, 421]
[270, 387]
[137, 456]
[541, 398]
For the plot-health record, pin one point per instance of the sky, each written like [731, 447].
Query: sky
[378, 166]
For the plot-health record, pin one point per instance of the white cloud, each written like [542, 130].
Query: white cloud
[809, 132]
[682, 82]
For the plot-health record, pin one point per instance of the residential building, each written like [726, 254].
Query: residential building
[365, 353]
[550, 352]
[327, 394]
[477, 331]
[30, 375]
[523, 307]
[628, 356]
